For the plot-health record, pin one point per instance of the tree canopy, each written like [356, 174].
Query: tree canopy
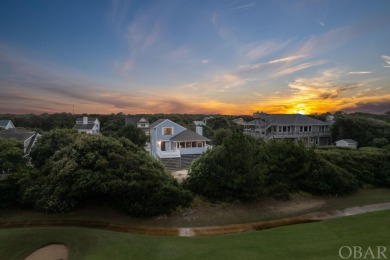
[92, 167]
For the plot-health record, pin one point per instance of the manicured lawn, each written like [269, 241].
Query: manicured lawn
[321, 240]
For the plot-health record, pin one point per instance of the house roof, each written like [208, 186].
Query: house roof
[199, 123]
[135, 120]
[90, 119]
[143, 120]
[293, 119]
[4, 123]
[350, 141]
[188, 135]
[20, 134]
[88, 126]
[239, 121]
[253, 122]
[157, 122]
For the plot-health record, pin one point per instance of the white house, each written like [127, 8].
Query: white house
[175, 146]
[347, 143]
[6, 124]
[89, 125]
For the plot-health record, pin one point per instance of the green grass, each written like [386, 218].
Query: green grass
[320, 240]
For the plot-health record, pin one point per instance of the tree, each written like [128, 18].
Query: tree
[99, 168]
[49, 143]
[220, 135]
[11, 155]
[230, 171]
[133, 133]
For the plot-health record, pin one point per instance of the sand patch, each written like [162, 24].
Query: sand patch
[50, 252]
[180, 175]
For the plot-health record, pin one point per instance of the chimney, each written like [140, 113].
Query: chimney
[199, 130]
[85, 120]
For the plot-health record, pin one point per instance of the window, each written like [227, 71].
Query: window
[167, 130]
[301, 129]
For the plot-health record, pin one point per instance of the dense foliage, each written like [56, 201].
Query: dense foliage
[244, 168]
[11, 155]
[133, 133]
[98, 168]
[367, 131]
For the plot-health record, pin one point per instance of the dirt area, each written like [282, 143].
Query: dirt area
[180, 175]
[50, 252]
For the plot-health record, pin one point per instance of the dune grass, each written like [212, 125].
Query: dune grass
[321, 240]
[208, 214]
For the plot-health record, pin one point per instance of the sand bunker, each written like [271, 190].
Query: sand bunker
[50, 252]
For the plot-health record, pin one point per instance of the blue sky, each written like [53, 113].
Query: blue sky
[229, 57]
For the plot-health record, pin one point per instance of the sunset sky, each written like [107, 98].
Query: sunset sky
[194, 56]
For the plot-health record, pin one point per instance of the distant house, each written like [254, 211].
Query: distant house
[140, 122]
[347, 143]
[289, 126]
[203, 122]
[89, 125]
[175, 146]
[239, 121]
[6, 124]
[330, 119]
[26, 137]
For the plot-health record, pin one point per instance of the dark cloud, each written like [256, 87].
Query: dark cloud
[378, 107]
[336, 93]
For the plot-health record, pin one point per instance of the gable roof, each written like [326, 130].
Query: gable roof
[350, 141]
[88, 126]
[253, 122]
[4, 123]
[199, 123]
[90, 119]
[19, 134]
[239, 121]
[135, 120]
[143, 120]
[188, 135]
[131, 121]
[157, 122]
[294, 119]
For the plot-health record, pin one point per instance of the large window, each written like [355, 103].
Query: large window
[167, 130]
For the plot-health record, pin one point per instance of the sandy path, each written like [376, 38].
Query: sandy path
[50, 252]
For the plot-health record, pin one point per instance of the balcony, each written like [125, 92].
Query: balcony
[294, 134]
[175, 153]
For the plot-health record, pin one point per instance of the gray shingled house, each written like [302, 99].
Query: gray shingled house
[140, 122]
[289, 126]
[26, 137]
[175, 146]
[6, 124]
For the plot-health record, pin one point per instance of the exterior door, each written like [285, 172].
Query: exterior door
[164, 146]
